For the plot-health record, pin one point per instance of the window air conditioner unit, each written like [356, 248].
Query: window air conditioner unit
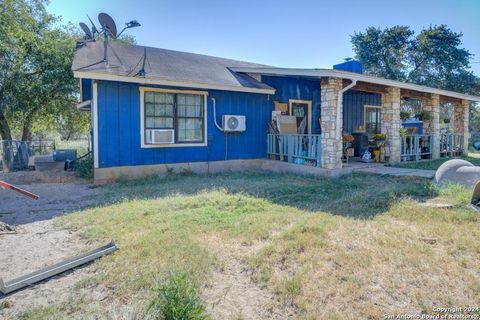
[232, 123]
[160, 136]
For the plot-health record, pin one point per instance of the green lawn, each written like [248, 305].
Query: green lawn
[353, 248]
[434, 164]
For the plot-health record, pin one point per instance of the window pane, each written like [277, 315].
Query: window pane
[149, 109]
[190, 130]
[372, 120]
[149, 97]
[150, 122]
[189, 105]
[190, 111]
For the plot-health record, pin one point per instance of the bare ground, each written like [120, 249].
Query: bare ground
[37, 242]
[231, 292]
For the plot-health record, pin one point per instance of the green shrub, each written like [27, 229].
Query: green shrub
[404, 115]
[84, 167]
[177, 297]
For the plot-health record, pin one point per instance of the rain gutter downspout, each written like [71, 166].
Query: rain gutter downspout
[339, 126]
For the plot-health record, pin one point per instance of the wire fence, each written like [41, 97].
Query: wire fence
[15, 154]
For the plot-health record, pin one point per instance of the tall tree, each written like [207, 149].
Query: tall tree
[433, 57]
[35, 62]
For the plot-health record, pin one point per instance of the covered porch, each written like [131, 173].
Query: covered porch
[436, 125]
[412, 125]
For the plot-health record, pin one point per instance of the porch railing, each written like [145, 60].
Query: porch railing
[303, 149]
[451, 144]
[416, 147]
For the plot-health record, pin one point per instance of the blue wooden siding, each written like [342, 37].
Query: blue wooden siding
[87, 89]
[119, 129]
[353, 107]
[298, 89]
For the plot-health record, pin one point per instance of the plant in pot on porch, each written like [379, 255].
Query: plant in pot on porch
[424, 115]
[347, 146]
[405, 115]
[380, 143]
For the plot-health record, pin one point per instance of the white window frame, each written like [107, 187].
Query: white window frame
[309, 110]
[171, 145]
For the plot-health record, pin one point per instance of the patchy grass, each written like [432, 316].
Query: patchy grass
[177, 297]
[327, 249]
[434, 164]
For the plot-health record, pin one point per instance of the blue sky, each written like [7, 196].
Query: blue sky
[284, 33]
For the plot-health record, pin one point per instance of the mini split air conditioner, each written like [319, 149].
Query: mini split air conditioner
[232, 123]
[159, 136]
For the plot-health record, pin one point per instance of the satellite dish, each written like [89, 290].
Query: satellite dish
[88, 33]
[108, 24]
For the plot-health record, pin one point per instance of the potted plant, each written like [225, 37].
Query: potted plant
[405, 115]
[348, 151]
[347, 137]
[403, 132]
[380, 142]
[446, 120]
[424, 115]
[379, 137]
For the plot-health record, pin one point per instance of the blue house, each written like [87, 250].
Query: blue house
[155, 110]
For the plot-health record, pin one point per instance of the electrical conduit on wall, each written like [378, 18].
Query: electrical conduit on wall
[214, 103]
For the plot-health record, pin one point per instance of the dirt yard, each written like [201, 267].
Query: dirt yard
[37, 242]
[253, 246]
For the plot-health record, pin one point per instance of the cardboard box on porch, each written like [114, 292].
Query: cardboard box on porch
[283, 107]
[287, 124]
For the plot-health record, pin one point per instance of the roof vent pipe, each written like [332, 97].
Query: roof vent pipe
[339, 125]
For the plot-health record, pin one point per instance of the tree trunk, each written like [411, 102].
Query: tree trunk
[26, 133]
[5, 132]
[6, 147]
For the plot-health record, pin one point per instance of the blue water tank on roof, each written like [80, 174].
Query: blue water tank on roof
[350, 65]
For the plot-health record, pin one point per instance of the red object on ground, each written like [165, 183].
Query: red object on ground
[5, 185]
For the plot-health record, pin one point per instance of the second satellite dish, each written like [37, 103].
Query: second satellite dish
[88, 33]
[107, 23]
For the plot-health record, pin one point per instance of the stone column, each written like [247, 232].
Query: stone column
[391, 123]
[331, 146]
[460, 123]
[432, 105]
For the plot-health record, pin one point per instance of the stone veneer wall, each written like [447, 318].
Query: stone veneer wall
[461, 114]
[331, 146]
[432, 105]
[391, 123]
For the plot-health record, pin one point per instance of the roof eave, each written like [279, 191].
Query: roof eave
[318, 73]
[165, 82]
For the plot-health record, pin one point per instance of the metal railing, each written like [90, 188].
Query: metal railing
[451, 144]
[14, 154]
[296, 148]
[416, 147]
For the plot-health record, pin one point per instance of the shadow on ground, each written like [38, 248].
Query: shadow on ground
[359, 195]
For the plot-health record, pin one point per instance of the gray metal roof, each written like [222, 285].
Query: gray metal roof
[125, 60]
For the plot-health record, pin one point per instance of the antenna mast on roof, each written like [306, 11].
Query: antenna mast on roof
[108, 29]
[141, 72]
